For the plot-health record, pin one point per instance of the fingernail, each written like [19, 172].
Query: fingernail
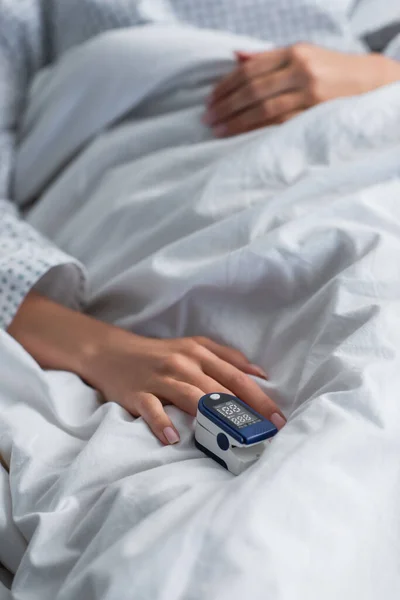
[207, 119]
[171, 435]
[258, 371]
[211, 117]
[219, 131]
[242, 56]
[277, 420]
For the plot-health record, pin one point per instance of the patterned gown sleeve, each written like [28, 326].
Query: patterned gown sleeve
[27, 260]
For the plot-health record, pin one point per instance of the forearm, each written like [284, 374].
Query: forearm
[59, 338]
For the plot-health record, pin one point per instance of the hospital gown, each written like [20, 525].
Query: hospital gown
[27, 260]
[34, 32]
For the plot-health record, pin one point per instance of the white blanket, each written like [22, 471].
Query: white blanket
[284, 243]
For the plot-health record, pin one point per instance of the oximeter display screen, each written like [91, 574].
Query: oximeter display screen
[236, 413]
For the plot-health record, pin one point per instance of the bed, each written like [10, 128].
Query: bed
[284, 243]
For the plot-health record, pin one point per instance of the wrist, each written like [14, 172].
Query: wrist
[93, 341]
[383, 70]
[61, 339]
[100, 351]
[94, 353]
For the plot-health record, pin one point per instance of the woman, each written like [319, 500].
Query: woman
[139, 373]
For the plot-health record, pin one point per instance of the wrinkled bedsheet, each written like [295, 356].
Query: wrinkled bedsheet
[284, 243]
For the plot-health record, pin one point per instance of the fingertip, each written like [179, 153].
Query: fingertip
[258, 371]
[278, 420]
[152, 411]
[220, 131]
[242, 56]
[171, 435]
[210, 100]
[206, 119]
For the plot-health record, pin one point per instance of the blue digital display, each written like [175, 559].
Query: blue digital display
[236, 414]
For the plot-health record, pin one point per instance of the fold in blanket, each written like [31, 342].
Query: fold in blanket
[379, 40]
[5, 584]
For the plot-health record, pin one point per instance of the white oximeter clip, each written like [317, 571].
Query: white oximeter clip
[230, 432]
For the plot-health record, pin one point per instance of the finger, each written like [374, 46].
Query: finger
[151, 409]
[243, 56]
[227, 85]
[244, 388]
[288, 116]
[233, 356]
[253, 92]
[182, 394]
[263, 114]
[260, 64]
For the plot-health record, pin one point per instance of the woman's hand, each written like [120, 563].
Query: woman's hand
[141, 374]
[268, 88]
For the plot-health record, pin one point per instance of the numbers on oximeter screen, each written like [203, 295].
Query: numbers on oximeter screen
[235, 413]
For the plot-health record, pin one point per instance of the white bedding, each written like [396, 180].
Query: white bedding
[284, 243]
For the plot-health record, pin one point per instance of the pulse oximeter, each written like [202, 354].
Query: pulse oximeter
[230, 432]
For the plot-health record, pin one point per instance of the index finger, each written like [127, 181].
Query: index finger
[258, 65]
[234, 357]
[244, 388]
